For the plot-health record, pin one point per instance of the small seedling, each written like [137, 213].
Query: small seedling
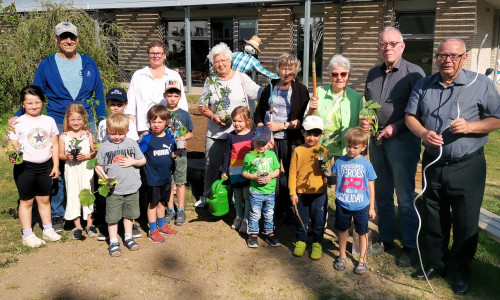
[74, 148]
[87, 197]
[222, 94]
[369, 114]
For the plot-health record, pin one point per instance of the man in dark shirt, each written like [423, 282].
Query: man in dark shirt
[394, 151]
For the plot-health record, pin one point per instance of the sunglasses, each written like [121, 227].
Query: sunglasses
[343, 75]
[66, 35]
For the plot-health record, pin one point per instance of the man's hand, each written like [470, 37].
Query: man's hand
[431, 138]
[388, 132]
[274, 126]
[459, 126]
[365, 124]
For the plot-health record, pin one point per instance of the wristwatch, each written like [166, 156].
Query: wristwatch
[284, 126]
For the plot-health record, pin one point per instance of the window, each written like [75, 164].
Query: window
[247, 29]
[418, 33]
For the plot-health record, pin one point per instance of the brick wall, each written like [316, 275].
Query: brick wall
[142, 28]
[360, 26]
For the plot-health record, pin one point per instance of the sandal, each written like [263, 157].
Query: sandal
[340, 264]
[131, 244]
[361, 268]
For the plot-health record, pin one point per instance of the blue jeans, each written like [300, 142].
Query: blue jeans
[311, 208]
[261, 203]
[395, 162]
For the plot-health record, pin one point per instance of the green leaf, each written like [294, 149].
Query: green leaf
[103, 190]
[91, 163]
[86, 197]
[102, 181]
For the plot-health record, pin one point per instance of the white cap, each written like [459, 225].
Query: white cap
[173, 84]
[66, 27]
[313, 122]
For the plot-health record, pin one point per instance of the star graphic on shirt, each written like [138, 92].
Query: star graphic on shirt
[39, 138]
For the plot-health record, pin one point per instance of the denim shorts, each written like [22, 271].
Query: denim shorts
[343, 218]
[122, 206]
[180, 173]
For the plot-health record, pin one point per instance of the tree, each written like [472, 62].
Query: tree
[27, 39]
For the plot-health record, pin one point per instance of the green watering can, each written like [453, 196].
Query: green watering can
[219, 204]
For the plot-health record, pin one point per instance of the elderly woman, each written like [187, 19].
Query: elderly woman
[281, 108]
[148, 85]
[221, 94]
[338, 105]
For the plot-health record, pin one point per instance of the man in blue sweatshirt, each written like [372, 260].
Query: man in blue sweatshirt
[67, 77]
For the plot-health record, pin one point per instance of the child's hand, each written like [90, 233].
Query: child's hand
[294, 199]
[69, 156]
[263, 179]
[55, 173]
[81, 157]
[372, 213]
[12, 160]
[224, 176]
[126, 162]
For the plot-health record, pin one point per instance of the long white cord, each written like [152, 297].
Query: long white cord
[424, 187]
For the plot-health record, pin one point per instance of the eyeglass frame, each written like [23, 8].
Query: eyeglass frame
[156, 54]
[222, 61]
[341, 74]
[393, 44]
[458, 56]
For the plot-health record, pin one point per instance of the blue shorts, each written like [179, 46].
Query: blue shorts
[343, 218]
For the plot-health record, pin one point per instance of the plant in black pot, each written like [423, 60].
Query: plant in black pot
[16, 154]
[331, 178]
[74, 147]
[321, 156]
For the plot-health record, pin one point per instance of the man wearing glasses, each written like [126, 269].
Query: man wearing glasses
[394, 150]
[452, 112]
[67, 77]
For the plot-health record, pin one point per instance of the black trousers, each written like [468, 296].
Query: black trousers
[453, 197]
[283, 152]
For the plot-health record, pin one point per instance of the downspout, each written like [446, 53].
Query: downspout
[340, 25]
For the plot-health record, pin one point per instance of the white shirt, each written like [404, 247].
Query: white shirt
[131, 134]
[145, 91]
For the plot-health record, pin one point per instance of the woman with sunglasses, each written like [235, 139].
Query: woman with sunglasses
[338, 105]
[148, 85]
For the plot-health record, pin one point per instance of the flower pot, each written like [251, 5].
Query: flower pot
[17, 156]
[180, 144]
[74, 152]
[331, 180]
[321, 164]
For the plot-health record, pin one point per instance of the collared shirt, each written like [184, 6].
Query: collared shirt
[245, 63]
[436, 106]
[391, 90]
[145, 91]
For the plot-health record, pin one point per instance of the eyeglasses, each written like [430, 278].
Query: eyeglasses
[314, 132]
[222, 61]
[385, 45]
[155, 54]
[342, 74]
[453, 57]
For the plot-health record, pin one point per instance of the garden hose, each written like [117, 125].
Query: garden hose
[424, 187]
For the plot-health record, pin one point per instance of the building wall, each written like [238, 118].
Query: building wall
[352, 30]
[142, 28]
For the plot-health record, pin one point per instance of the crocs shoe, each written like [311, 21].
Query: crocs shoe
[33, 241]
[165, 229]
[51, 235]
[317, 251]
[156, 237]
[300, 248]
[114, 250]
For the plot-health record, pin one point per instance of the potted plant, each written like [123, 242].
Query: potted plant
[222, 98]
[16, 154]
[261, 171]
[369, 114]
[74, 148]
[321, 156]
[331, 179]
[179, 132]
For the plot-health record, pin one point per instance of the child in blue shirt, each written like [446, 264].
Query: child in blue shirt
[355, 196]
[159, 149]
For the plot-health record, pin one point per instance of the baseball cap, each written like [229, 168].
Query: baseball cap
[117, 94]
[66, 27]
[313, 122]
[172, 84]
[261, 134]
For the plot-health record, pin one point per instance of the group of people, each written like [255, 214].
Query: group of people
[272, 152]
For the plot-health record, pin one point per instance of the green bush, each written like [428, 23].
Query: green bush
[27, 39]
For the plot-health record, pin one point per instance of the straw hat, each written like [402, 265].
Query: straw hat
[255, 42]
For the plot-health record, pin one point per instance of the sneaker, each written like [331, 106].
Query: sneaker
[165, 229]
[380, 247]
[300, 248]
[236, 223]
[51, 235]
[201, 202]
[58, 224]
[33, 241]
[252, 241]
[317, 251]
[114, 250]
[170, 216]
[136, 232]
[271, 240]
[103, 234]
[181, 218]
[76, 233]
[131, 244]
[407, 258]
[91, 231]
[156, 237]
[244, 226]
